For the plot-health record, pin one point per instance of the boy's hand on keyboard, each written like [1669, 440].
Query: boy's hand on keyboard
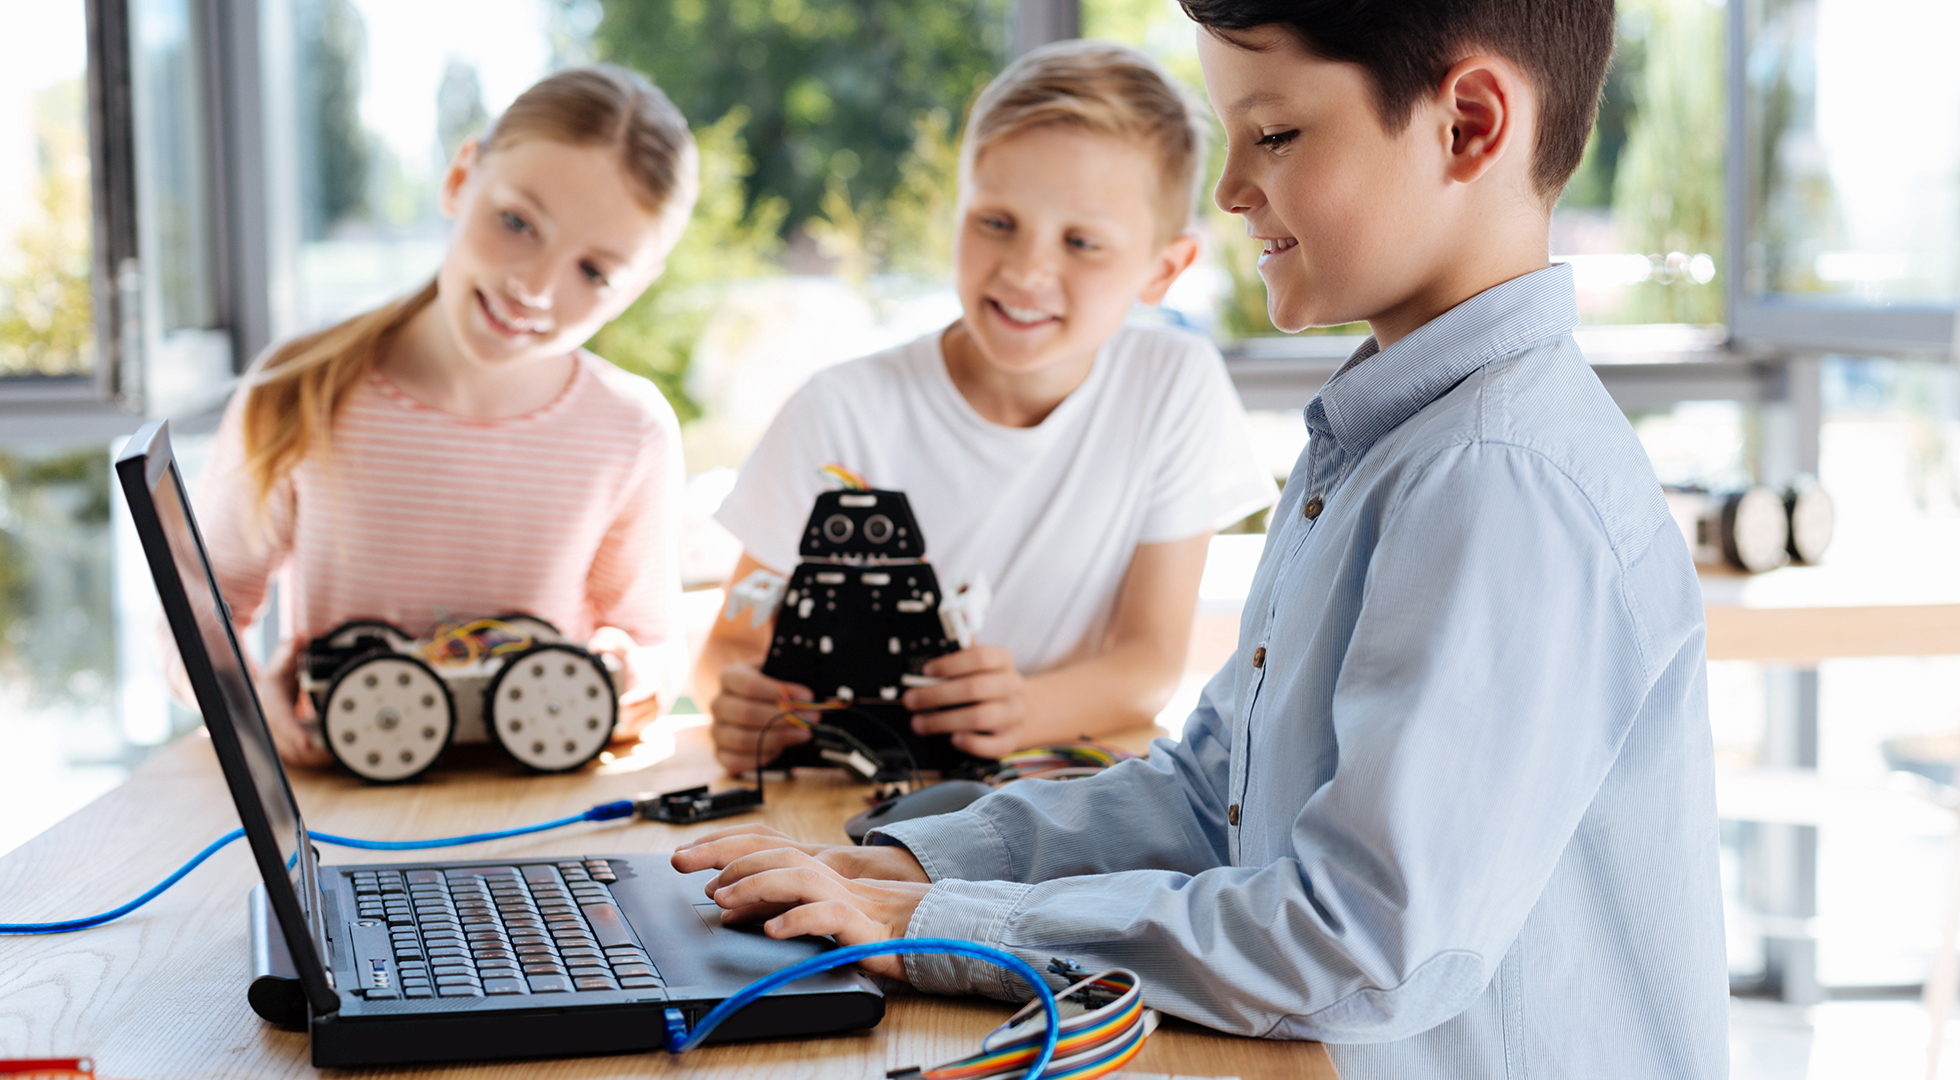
[748, 701]
[715, 851]
[853, 894]
[983, 701]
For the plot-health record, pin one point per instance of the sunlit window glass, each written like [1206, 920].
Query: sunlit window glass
[45, 309]
[173, 162]
[375, 101]
[1641, 222]
[1854, 149]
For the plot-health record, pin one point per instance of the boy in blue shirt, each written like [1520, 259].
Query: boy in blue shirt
[1450, 806]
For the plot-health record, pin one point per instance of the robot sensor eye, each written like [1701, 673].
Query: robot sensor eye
[878, 529]
[837, 528]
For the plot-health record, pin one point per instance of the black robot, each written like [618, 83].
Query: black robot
[857, 621]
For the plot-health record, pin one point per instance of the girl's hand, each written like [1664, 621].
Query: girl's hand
[748, 701]
[639, 695]
[278, 686]
[856, 895]
[989, 700]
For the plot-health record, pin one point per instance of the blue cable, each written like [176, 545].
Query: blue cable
[108, 916]
[680, 1040]
[602, 812]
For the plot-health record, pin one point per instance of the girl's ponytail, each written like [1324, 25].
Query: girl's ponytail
[294, 395]
[292, 398]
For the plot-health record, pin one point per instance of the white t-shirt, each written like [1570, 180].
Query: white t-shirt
[1152, 447]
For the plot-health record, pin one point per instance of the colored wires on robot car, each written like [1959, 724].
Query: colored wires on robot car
[389, 704]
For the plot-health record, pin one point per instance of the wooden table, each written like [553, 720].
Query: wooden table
[160, 995]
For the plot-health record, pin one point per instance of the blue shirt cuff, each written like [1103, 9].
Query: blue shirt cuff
[975, 911]
[965, 845]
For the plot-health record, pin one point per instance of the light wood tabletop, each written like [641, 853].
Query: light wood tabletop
[1797, 616]
[160, 995]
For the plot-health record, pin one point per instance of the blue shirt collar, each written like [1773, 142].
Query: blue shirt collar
[1364, 401]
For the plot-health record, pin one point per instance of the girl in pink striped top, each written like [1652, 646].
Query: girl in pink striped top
[457, 453]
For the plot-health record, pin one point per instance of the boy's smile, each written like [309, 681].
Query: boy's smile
[1059, 233]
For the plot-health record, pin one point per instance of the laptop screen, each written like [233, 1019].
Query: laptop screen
[201, 625]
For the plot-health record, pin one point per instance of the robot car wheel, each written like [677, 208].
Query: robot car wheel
[552, 707]
[387, 716]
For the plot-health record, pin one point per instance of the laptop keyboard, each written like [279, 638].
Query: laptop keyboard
[480, 931]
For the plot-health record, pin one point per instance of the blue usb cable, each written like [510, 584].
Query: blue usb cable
[681, 1040]
[602, 812]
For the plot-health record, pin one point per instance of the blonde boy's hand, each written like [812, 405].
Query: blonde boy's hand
[278, 686]
[988, 701]
[854, 894]
[748, 701]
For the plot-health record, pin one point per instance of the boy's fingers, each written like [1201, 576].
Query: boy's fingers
[946, 721]
[747, 680]
[969, 661]
[984, 717]
[751, 829]
[754, 913]
[986, 686]
[766, 858]
[833, 918]
[720, 854]
[837, 919]
[718, 849]
[736, 726]
[984, 744]
[776, 877]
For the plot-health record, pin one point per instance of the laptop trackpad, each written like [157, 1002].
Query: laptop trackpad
[694, 952]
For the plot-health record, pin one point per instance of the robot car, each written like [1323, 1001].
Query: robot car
[1754, 528]
[858, 619]
[389, 704]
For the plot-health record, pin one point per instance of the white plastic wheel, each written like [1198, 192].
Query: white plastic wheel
[1757, 530]
[1813, 518]
[388, 717]
[552, 707]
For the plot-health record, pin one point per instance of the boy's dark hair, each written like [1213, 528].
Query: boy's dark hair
[1407, 46]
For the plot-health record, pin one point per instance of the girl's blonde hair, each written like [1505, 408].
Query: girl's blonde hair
[294, 394]
[1104, 88]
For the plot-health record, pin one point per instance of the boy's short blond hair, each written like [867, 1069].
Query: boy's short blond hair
[1104, 88]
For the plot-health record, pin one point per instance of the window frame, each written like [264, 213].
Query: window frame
[134, 359]
[1771, 322]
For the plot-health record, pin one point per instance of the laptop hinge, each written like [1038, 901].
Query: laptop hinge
[275, 994]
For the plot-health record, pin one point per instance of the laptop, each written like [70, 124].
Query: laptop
[451, 961]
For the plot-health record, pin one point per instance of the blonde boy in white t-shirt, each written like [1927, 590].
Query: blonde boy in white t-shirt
[1080, 465]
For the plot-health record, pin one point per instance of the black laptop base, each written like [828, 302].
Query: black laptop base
[627, 1027]
[666, 949]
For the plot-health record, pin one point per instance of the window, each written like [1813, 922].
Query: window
[46, 311]
[366, 102]
[179, 303]
[1845, 180]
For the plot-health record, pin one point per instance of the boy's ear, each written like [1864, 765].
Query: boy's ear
[1484, 101]
[1175, 259]
[459, 174]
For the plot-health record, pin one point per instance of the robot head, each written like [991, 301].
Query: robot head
[862, 526]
